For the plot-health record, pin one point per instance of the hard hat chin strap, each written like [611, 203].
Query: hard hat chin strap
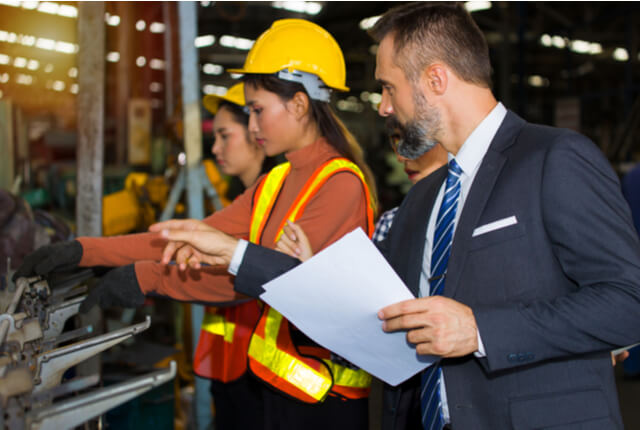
[316, 89]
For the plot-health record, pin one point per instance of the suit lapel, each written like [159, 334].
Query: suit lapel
[479, 194]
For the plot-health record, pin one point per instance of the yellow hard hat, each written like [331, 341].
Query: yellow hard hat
[235, 95]
[297, 45]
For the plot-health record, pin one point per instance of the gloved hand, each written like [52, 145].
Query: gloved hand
[58, 257]
[118, 288]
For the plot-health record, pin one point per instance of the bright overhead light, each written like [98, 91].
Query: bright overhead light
[13, 3]
[33, 65]
[141, 25]
[538, 81]
[4, 59]
[73, 72]
[58, 86]
[141, 61]
[155, 87]
[112, 20]
[308, 7]
[74, 88]
[620, 54]
[68, 11]
[48, 44]
[236, 75]
[375, 98]
[26, 40]
[48, 68]
[48, 7]
[558, 42]
[156, 64]
[30, 5]
[545, 40]
[595, 48]
[66, 47]
[580, 46]
[20, 62]
[212, 69]
[236, 42]
[367, 23]
[202, 41]
[156, 27]
[214, 89]
[475, 6]
[4, 78]
[113, 57]
[24, 79]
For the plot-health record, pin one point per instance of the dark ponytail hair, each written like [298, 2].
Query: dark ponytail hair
[330, 126]
[238, 113]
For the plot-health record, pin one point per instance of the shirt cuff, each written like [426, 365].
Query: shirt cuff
[481, 352]
[238, 255]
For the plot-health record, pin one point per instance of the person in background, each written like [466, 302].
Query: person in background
[221, 354]
[325, 186]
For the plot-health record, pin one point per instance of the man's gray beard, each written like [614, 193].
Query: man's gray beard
[419, 134]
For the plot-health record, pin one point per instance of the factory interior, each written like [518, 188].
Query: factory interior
[105, 130]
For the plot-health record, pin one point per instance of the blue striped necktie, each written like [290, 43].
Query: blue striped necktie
[430, 400]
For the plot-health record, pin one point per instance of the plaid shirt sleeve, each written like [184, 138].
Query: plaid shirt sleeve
[383, 225]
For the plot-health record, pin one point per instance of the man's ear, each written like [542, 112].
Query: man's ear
[299, 105]
[435, 79]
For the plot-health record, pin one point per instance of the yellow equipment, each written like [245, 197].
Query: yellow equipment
[235, 95]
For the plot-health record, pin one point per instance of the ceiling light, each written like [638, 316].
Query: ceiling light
[538, 81]
[13, 3]
[24, 79]
[73, 72]
[620, 54]
[214, 89]
[212, 69]
[595, 48]
[4, 59]
[66, 47]
[308, 7]
[30, 5]
[141, 25]
[236, 75]
[367, 23]
[68, 11]
[48, 44]
[236, 42]
[558, 42]
[20, 62]
[112, 20]
[156, 64]
[58, 86]
[202, 41]
[33, 65]
[156, 27]
[155, 87]
[48, 68]
[141, 61]
[4, 78]
[48, 7]
[113, 57]
[26, 40]
[580, 46]
[74, 88]
[545, 40]
[475, 6]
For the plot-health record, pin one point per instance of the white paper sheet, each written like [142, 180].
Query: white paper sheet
[334, 298]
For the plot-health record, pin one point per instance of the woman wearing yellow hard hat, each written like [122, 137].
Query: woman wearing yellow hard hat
[325, 187]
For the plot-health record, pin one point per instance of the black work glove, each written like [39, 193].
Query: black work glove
[58, 257]
[118, 288]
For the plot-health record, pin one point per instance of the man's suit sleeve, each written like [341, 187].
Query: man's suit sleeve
[592, 236]
[259, 266]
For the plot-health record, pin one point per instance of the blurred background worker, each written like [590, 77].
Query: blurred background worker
[221, 354]
[325, 186]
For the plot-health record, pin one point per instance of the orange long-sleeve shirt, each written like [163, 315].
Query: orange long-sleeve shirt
[336, 209]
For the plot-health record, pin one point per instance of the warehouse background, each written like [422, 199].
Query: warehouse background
[558, 63]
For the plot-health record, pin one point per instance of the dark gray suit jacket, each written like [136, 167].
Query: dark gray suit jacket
[551, 294]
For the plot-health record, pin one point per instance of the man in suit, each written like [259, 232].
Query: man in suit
[541, 273]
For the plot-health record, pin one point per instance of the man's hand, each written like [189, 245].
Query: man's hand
[192, 242]
[436, 325]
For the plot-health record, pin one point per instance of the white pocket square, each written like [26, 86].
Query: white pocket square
[495, 225]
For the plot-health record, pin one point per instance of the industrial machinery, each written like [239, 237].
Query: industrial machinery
[36, 351]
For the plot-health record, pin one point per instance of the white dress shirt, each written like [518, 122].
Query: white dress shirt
[468, 158]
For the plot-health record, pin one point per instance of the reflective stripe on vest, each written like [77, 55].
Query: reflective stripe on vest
[216, 324]
[307, 378]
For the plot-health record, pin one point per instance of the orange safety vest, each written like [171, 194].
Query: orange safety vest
[273, 357]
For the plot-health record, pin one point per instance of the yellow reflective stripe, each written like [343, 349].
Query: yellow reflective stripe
[268, 193]
[296, 372]
[347, 377]
[327, 170]
[216, 324]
